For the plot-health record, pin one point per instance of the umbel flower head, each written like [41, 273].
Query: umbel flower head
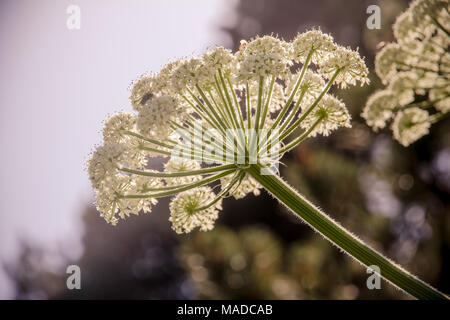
[214, 116]
[416, 70]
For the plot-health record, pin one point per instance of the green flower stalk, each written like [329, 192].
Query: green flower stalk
[223, 121]
[416, 70]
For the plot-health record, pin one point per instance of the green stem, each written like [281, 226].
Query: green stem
[192, 152]
[225, 103]
[222, 193]
[287, 120]
[249, 107]
[219, 141]
[228, 99]
[220, 109]
[254, 139]
[342, 238]
[259, 106]
[289, 130]
[240, 120]
[438, 116]
[294, 91]
[157, 174]
[197, 148]
[267, 102]
[159, 143]
[211, 108]
[440, 26]
[236, 103]
[299, 139]
[415, 67]
[210, 119]
[424, 104]
[293, 112]
[157, 151]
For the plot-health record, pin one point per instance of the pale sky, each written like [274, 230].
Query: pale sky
[56, 88]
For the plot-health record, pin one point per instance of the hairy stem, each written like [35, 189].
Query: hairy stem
[300, 138]
[172, 192]
[136, 135]
[294, 91]
[289, 130]
[342, 238]
[157, 174]
[267, 102]
[237, 176]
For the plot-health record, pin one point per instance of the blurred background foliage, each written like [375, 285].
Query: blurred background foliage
[395, 198]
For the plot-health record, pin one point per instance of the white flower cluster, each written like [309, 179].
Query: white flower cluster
[416, 70]
[190, 209]
[206, 116]
[263, 57]
[156, 114]
[410, 124]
